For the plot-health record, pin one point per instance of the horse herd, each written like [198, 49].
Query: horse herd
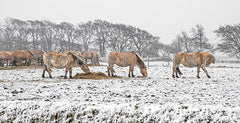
[70, 59]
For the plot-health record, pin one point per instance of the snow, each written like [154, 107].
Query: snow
[26, 96]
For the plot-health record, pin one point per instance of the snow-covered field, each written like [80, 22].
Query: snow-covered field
[26, 96]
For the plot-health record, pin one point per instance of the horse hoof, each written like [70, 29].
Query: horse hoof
[209, 76]
[43, 76]
[65, 77]
[198, 77]
[51, 77]
[173, 76]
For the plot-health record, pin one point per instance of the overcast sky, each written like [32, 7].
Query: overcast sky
[163, 18]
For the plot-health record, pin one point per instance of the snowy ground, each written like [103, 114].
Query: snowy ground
[25, 96]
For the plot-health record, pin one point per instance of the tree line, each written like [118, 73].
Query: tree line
[196, 40]
[97, 35]
[104, 36]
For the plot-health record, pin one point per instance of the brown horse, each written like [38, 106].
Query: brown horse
[38, 54]
[126, 59]
[93, 55]
[20, 55]
[4, 57]
[199, 60]
[66, 60]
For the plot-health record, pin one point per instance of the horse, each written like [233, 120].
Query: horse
[19, 55]
[199, 60]
[38, 54]
[126, 59]
[93, 55]
[4, 57]
[66, 60]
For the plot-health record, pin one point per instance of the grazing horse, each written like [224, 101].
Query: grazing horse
[4, 57]
[199, 60]
[126, 59]
[38, 54]
[19, 55]
[66, 60]
[93, 55]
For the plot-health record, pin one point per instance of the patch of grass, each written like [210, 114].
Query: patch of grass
[136, 107]
[20, 67]
[92, 75]
[184, 107]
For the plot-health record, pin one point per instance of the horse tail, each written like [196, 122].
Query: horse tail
[178, 71]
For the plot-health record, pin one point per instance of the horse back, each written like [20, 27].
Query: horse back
[52, 59]
[122, 59]
[21, 54]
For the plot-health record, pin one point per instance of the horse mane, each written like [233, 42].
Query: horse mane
[141, 63]
[75, 57]
[31, 52]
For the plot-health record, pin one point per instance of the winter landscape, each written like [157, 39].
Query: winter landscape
[26, 96]
[86, 37]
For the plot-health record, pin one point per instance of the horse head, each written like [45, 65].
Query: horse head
[80, 62]
[143, 70]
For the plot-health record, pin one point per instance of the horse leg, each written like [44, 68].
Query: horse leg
[112, 71]
[66, 71]
[70, 72]
[26, 62]
[44, 69]
[205, 70]
[130, 70]
[198, 71]
[174, 70]
[49, 72]
[108, 69]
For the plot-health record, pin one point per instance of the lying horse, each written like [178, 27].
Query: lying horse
[199, 60]
[19, 55]
[126, 59]
[66, 60]
[93, 55]
[4, 57]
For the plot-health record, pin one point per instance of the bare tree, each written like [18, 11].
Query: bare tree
[119, 37]
[199, 40]
[101, 33]
[85, 33]
[186, 42]
[68, 33]
[230, 39]
[140, 39]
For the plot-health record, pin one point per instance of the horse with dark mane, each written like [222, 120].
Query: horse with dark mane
[4, 57]
[66, 60]
[199, 60]
[126, 59]
[93, 55]
[20, 55]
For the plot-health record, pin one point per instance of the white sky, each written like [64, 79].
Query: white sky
[163, 18]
